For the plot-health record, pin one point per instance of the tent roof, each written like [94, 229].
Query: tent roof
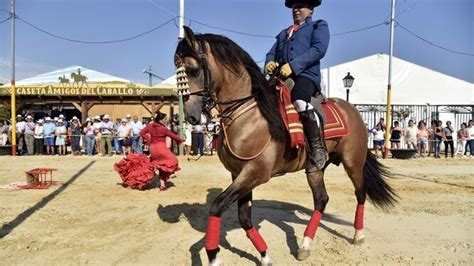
[411, 84]
[52, 77]
[169, 81]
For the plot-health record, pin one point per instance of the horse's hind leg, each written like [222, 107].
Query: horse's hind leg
[245, 220]
[356, 174]
[320, 198]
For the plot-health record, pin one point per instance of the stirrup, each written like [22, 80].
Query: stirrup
[314, 165]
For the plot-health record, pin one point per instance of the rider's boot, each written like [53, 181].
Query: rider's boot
[317, 153]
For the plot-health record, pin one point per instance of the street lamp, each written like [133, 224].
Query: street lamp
[348, 80]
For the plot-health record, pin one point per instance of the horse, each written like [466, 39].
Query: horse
[255, 144]
[79, 78]
[63, 81]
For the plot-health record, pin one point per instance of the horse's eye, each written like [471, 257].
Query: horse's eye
[193, 72]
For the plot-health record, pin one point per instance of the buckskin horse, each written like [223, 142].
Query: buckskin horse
[255, 143]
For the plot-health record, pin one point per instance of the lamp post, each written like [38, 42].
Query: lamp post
[151, 74]
[348, 81]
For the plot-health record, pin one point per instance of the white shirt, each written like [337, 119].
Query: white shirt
[470, 131]
[136, 127]
[39, 131]
[378, 134]
[410, 133]
[20, 126]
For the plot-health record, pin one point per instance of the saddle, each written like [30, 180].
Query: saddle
[335, 125]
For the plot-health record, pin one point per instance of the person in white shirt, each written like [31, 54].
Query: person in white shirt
[462, 140]
[188, 138]
[124, 134]
[137, 141]
[20, 131]
[29, 133]
[3, 132]
[470, 137]
[379, 135]
[410, 135]
[39, 135]
[61, 134]
[106, 130]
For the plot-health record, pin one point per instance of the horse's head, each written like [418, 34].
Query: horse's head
[193, 74]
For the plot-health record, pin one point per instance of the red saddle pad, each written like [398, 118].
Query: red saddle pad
[336, 125]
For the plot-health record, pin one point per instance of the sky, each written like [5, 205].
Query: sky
[449, 24]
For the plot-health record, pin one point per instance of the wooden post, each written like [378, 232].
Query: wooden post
[84, 111]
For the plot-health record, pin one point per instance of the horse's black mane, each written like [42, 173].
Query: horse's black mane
[231, 56]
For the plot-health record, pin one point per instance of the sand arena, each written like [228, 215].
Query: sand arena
[91, 219]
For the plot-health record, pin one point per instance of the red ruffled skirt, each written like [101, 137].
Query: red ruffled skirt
[137, 170]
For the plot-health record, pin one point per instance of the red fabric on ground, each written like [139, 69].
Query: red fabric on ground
[313, 224]
[212, 233]
[136, 170]
[257, 239]
[359, 217]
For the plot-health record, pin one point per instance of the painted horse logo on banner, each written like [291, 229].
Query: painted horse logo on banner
[77, 77]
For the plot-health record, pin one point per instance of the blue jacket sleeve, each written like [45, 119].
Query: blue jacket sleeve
[319, 46]
[271, 55]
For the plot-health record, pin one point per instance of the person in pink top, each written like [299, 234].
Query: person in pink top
[422, 138]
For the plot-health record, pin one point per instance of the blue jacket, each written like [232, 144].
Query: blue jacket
[303, 50]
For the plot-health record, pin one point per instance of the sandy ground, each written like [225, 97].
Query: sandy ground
[91, 219]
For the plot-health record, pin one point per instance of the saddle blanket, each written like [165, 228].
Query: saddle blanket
[336, 125]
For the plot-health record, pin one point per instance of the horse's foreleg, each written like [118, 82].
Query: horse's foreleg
[320, 198]
[245, 220]
[241, 187]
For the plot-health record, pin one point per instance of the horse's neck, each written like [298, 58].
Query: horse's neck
[247, 135]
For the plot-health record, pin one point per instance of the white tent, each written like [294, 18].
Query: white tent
[169, 81]
[53, 77]
[411, 84]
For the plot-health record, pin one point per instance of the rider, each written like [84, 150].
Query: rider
[298, 49]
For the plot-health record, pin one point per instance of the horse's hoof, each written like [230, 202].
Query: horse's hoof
[303, 254]
[359, 237]
[267, 261]
[359, 241]
[216, 262]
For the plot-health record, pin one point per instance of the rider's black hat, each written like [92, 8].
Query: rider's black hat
[313, 3]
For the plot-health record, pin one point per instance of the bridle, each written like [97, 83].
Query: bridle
[208, 94]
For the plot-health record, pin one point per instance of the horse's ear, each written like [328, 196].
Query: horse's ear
[189, 36]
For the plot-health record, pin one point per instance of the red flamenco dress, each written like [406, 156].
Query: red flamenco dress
[137, 170]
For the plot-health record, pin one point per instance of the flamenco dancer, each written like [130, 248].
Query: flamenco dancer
[138, 171]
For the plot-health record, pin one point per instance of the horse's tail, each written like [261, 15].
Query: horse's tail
[379, 192]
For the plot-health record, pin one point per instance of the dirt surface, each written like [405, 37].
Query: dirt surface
[91, 219]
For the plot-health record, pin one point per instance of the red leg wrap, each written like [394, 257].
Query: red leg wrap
[257, 239]
[313, 224]
[359, 217]
[213, 231]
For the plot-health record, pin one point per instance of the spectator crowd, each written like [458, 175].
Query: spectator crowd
[99, 136]
[426, 140]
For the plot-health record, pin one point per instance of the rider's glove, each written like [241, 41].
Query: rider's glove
[270, 67]
[285, 70]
